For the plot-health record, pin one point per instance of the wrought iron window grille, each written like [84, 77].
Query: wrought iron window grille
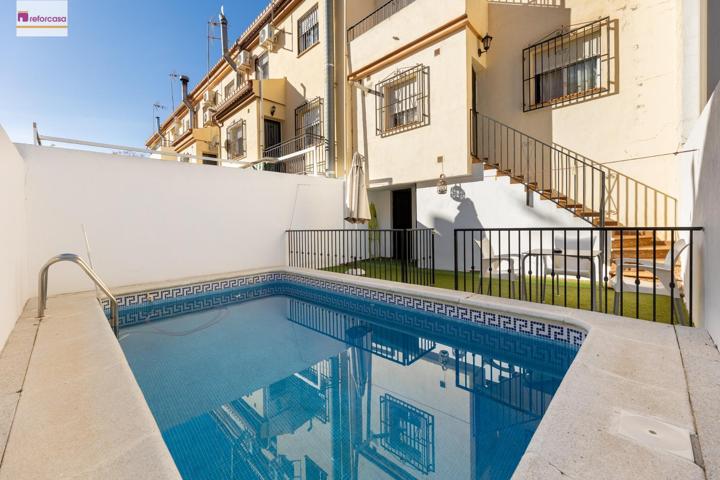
[570, 66]
[405, 101]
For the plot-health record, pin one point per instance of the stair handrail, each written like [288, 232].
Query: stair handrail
[611, 171]
[77, 260]
[577, 163]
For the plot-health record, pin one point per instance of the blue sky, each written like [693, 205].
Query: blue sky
[101, 81]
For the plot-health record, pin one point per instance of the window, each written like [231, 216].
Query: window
[404, 102]
[262, 67]
[567, 67]
[229, 89]
[308, 118]
[308, 30]
[235, 143]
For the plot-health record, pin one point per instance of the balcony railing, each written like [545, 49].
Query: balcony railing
[399, 255]
[384, 12]
[304, 154]
[615, 270]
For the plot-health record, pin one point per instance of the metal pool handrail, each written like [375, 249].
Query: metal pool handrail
[71, 257]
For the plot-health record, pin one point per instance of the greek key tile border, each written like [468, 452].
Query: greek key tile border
[508, 322]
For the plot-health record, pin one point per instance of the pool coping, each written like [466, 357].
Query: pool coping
[624, 365]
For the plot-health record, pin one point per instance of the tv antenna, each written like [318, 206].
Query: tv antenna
[173, 76]
[211, 35]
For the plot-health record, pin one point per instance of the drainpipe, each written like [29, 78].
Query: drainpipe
[329, 88]
[225, 49]
[184, 81]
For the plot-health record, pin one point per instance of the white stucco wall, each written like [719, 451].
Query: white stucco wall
[14, 290]
[699, 175]
[490, 203]
[149, 220]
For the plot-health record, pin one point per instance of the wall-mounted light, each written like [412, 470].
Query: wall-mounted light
[486, 41]
[442, 185]
[272, 111]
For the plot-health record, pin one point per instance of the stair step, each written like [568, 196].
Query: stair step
[517, 179]
[586, 213]
[568, 204]
[608, 223]
[643, 241]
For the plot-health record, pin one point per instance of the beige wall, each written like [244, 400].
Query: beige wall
[411, 22]
[642, 114]
[412, 155]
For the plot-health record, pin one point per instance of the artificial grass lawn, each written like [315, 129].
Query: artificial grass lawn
[576, 297]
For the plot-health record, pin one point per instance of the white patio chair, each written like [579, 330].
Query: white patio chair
[663, 274]
[496, 264]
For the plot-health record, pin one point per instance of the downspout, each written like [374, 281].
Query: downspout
[329, 88]
[184, 80]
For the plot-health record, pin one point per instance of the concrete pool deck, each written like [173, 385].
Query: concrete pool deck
[70, 406]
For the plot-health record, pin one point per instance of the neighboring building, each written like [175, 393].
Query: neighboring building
[265, 99]
[564, 87]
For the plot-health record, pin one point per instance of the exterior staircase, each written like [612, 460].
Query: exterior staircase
[589, 190]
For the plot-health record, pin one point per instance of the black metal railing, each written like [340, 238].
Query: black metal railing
[384, 12]
[399, 255]
[304, 154]
[555, 174]
[617, 270]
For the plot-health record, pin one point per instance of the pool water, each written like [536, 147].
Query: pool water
[289, 382]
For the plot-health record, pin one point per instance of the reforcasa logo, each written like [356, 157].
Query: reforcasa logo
[42, 18]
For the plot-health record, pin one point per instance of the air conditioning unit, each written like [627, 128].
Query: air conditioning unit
[245, 60]
[268, 35]
[210, 98]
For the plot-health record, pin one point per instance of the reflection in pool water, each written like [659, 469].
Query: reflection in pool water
[296, 383]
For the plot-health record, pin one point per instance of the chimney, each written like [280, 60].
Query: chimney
[223, 32]
[225, 48]
[184, 81]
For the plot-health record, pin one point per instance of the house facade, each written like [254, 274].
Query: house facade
[527, 113]
[550, 113]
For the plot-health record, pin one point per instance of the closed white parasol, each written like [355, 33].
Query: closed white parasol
[356, 201]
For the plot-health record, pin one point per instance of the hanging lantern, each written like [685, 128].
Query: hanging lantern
[442, 185]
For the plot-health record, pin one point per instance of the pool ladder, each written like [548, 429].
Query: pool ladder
[71, 257]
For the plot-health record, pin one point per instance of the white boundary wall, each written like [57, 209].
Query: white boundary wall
[699, 175]
[147, 220]
[14, 290]
[152, 220]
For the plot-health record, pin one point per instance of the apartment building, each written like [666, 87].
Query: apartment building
[264, 104]
[525, 113]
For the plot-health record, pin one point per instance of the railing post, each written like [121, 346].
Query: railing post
[602, 198]
[455, 256]
[404, 256]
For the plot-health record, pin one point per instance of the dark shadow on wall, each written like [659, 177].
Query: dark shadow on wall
[466, 217]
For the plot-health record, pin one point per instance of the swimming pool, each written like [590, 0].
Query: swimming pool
[282, 376]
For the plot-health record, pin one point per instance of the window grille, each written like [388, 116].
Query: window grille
[262, 67]
[408, 433]
[308, 30]
[229, 89]
[235, 143]
[568, 67]
[308, 118]
[405, 101]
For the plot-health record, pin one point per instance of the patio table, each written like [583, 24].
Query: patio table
[542, 253]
